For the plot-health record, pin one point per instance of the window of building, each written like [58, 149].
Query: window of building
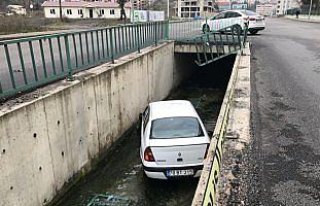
[112, 12]
[278, 6]
[52, 11]
[69, 11]
[80, 12]
[101, 12]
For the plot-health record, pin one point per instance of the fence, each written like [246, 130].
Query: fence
[215, 45]
[28, 63]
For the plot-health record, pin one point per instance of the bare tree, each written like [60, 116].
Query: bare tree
[60, 10]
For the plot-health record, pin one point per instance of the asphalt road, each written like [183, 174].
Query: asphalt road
[285, 155]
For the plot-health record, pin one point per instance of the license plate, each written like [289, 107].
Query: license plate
[176, 173]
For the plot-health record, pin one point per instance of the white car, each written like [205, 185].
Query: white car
[239, 18]
[174, 141]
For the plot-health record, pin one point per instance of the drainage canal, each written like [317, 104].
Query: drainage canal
[119, 178]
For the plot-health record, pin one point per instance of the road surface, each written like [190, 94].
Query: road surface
[285, 115]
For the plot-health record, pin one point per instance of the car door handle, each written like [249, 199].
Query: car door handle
[179, 159]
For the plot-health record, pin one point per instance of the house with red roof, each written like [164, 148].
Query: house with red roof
[78, 9]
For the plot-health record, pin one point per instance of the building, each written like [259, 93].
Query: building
[284, 5]
[194, 8]
[16, 9]
[84, 9]
[266, 9]
[140, 4]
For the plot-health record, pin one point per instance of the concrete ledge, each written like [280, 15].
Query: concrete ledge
[237, 137]
[304, 18]
[229, 120]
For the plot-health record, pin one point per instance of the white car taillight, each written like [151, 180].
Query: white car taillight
[148, 156]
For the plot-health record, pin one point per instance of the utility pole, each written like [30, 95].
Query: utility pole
[60, 10]
[310, 9]
[168, 8]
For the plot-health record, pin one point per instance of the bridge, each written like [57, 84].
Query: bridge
[83, 115]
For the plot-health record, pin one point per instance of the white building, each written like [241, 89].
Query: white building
[194, 8]
[284, 5]
[266, 9]
[140, 4]
[84, 9]
[16, 9]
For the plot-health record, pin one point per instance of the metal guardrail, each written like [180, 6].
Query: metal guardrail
[28, 63]
[215, 45]
[206, 191]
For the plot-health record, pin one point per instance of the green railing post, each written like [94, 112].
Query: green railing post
[52, 57]
[156, 34]
[138, 37]
[111, 46]
[245, 35]
[81, 49]
[34, 61]
[9, 66]
[22, 63]
[43, 59]
[60, 54]
[1, 91]
[166, 36]
[66, 41]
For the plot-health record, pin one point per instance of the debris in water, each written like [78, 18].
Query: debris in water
[109, 200]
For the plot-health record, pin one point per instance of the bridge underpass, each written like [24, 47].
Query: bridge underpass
[120, 174]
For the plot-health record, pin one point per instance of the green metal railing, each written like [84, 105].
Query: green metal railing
[215, 45]
[28, 63]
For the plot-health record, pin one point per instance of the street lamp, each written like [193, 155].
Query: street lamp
[310, 9]
[168, 8]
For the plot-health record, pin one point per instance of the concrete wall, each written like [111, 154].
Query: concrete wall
[46, 142]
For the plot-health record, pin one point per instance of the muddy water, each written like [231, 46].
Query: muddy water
[120, 173]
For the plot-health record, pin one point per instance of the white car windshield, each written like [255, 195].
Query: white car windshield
[175, 127]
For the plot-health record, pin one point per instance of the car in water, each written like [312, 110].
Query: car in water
[239, 19]
[174, 141]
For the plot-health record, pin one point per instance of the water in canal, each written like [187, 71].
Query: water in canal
[120, 173]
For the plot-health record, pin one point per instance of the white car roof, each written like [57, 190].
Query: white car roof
[172, 108]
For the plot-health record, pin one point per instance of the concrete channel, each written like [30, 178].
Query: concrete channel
[120, 173]
[77, 139]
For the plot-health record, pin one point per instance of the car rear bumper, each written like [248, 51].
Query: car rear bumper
[161, 172]
[256, 28]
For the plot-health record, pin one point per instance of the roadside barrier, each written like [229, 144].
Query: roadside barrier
[205, 194]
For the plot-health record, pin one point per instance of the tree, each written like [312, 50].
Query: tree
[122, 11]
[60, 10]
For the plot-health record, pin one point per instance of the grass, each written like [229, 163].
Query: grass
[37, 23]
